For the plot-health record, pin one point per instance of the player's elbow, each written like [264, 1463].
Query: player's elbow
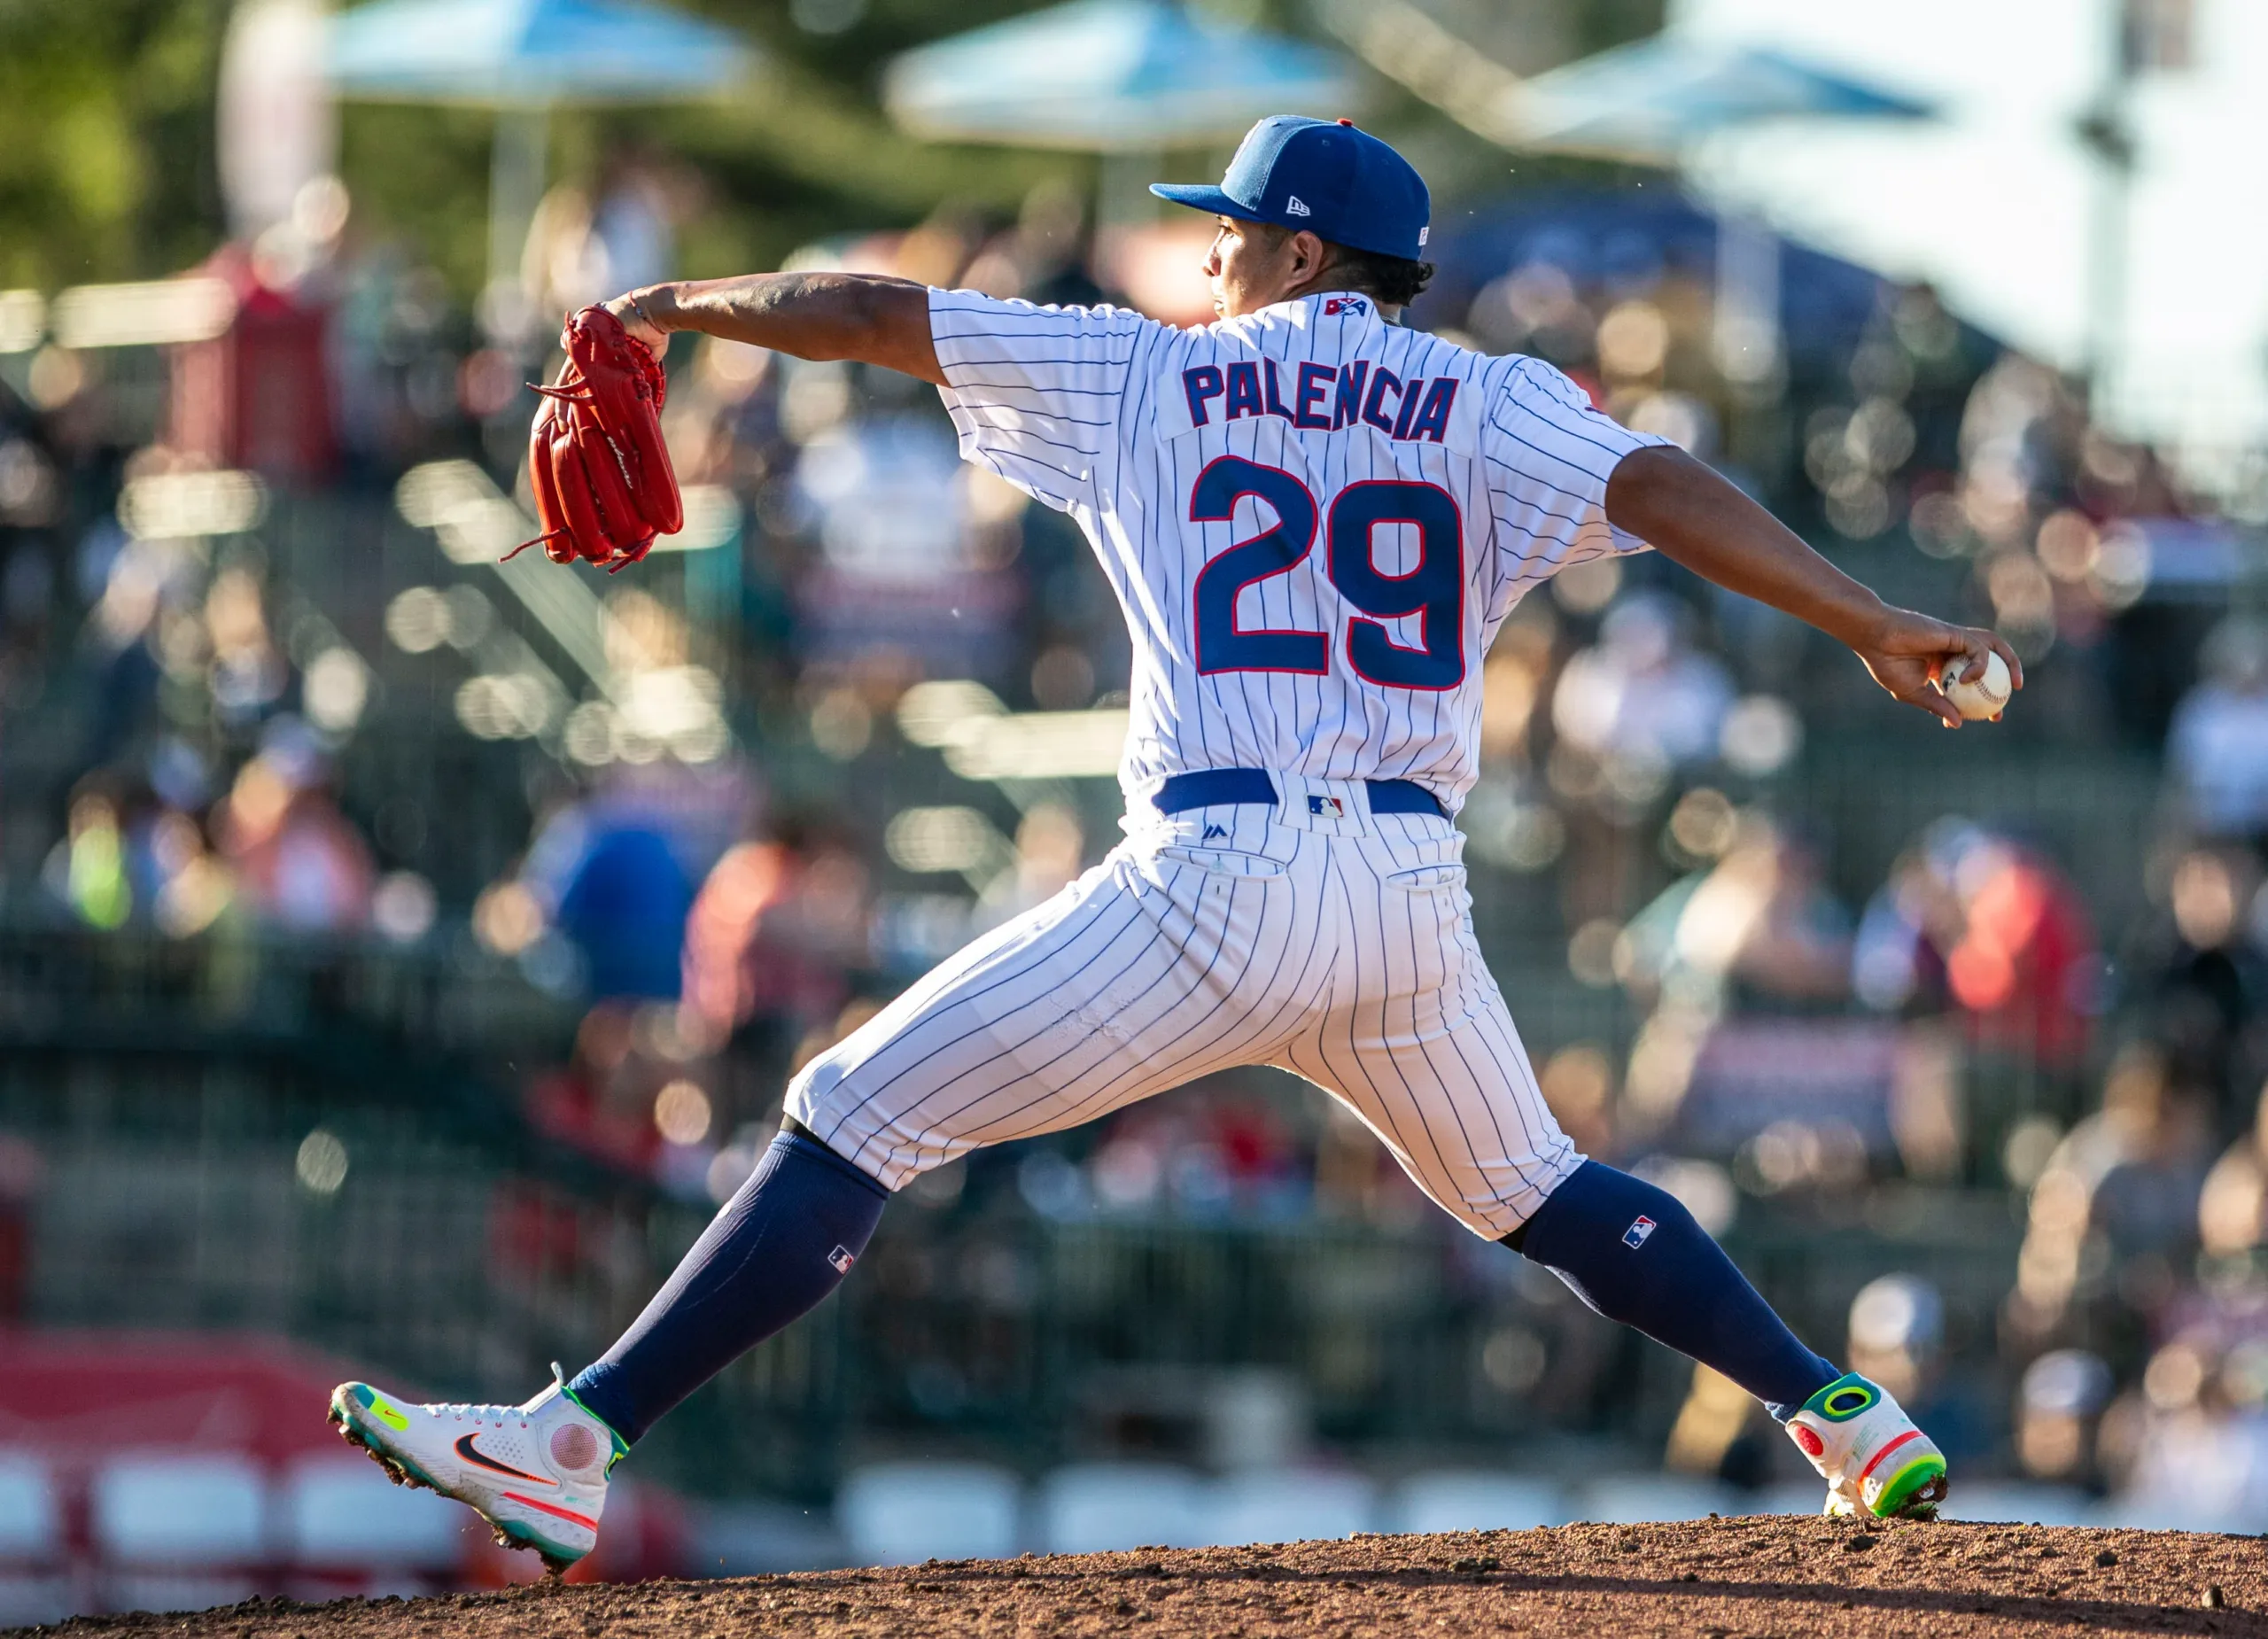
[863, 309]
[874, 320]
[1648, 482]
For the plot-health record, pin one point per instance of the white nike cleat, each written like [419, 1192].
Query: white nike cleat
[536, 1474]
[1876, 1462]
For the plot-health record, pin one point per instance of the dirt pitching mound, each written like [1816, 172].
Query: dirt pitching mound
[1710, 1579]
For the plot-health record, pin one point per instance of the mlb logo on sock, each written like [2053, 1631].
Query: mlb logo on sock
[1634, 1236]
[1329, 806]
[842, 1257]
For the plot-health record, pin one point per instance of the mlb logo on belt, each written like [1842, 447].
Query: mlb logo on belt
[1331, 807]
[1634, 1236]
[1337, 305]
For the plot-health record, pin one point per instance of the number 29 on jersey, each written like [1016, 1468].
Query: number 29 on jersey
[1432, 589]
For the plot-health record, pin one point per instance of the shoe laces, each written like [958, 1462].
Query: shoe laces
[479, 1413]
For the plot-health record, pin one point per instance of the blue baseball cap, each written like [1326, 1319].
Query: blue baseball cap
[1343, 185]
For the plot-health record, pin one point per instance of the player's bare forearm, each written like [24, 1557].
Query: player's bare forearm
[1693, 516]
[867, 318]
[1690, 514]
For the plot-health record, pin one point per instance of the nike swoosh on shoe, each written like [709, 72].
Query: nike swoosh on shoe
[472, 1452]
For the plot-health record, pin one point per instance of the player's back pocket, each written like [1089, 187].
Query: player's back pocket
[1220, 862]
[1426, 878]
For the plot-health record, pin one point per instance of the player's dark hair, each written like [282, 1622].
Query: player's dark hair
[1395, 281]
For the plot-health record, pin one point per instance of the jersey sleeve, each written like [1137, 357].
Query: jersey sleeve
[1034, 392]
[1549, 454]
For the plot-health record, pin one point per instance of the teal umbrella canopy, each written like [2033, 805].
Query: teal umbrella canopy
[1111, 75]
[1650, 101]
[529, 53]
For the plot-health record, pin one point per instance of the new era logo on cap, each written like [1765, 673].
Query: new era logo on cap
[1296, 207]
[1634, 1236]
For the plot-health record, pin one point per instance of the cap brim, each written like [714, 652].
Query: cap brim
[1202, 197]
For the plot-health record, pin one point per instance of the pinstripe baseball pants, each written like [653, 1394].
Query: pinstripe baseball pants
[1311, 934]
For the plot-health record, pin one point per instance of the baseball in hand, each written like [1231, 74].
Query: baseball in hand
[1983, 695]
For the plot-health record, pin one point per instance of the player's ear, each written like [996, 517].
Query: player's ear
[1307, 256]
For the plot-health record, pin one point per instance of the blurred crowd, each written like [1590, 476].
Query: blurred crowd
[725, 842]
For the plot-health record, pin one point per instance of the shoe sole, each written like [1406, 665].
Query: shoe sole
[346, 1417]
[1915, 1493]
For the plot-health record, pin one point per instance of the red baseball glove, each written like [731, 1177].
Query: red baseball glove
[600, 473]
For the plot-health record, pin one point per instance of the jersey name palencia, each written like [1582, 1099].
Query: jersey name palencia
[1314, 520]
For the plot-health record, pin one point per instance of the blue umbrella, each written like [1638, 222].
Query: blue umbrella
[525, 58]
[1649, 101]
[529, 53]
[1126, 76]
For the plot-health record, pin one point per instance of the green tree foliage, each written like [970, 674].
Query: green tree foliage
[107, 147]
[107, 167]
[106, 137]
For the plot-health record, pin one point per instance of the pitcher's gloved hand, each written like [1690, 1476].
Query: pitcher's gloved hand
[600, 473]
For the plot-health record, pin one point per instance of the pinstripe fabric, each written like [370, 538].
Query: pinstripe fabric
[1310, 934]
[1092, 411]
[1339, 948]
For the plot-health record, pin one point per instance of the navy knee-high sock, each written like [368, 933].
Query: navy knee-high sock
[779, 1245]
[1632, 1252]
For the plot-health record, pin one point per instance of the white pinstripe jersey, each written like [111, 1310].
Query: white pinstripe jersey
[1315, 520]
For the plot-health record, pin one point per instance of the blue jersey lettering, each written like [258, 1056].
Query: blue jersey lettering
[1432, 418]
[1243, 391]
[1200, 385]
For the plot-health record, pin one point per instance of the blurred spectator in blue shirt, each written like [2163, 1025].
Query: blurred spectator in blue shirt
[2219, 746]
[613, 886]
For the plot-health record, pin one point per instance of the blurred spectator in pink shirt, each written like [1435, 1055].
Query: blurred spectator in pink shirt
[2026, 966]
[300, 863]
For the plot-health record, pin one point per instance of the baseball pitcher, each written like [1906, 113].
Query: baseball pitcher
[1315, 520]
